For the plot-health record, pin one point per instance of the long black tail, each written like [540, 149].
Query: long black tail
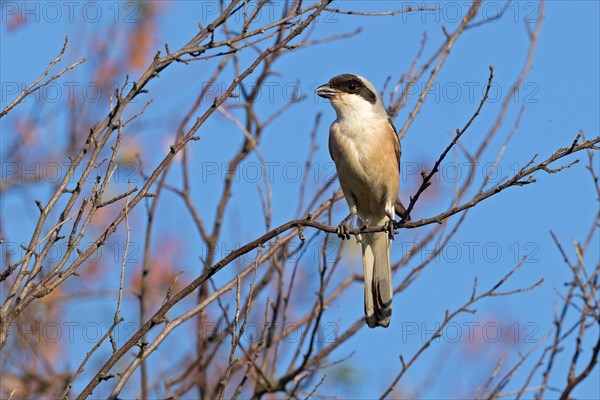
[378, 279]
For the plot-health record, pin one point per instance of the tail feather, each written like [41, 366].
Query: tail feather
[378, 279]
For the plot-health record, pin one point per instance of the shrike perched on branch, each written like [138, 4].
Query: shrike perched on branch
[366, 151]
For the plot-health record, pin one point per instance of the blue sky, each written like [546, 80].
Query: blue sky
[561, 96]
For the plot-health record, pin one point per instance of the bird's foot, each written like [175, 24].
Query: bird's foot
[389, 228]
[343, 230]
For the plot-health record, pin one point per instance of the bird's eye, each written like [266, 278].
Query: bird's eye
[352, 86]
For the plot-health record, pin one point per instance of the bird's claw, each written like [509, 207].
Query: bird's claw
[343, 231]
[389, 228]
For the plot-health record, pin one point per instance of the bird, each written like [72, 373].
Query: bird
[365, 148]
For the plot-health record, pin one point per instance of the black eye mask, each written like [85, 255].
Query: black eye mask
[352, 84]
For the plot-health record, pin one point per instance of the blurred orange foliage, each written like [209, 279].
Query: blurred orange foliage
[142, 39]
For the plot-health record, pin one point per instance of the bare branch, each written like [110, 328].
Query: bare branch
[35, 86]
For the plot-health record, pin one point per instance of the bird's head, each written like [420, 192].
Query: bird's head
[352, 95]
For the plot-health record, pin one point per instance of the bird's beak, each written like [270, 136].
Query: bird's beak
[326, 91]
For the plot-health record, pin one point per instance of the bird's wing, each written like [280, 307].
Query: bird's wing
[331, 152]
[397, 147]
[329, 145]
[398, 206]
